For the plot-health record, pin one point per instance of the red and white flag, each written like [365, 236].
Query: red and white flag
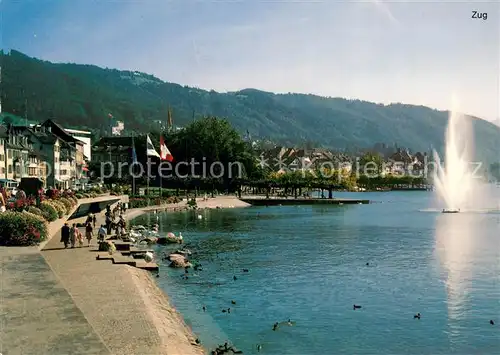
[164, 152]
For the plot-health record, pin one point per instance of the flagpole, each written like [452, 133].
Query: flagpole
[161, 177]
[161, 186]
[133, 173]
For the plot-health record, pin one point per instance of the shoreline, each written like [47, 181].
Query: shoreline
[175, 336]
[218, 202]
[115, 309]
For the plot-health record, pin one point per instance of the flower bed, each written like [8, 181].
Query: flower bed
[51, 206]
[25, 222]
[86, 194]
[49, 211]
[139, 202]
[22, 229]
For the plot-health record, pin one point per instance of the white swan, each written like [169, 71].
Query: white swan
[135, 234]
[148, 257]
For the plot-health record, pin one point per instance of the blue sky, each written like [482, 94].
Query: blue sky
[399, 51]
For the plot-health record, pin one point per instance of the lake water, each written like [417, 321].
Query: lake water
[308, 264]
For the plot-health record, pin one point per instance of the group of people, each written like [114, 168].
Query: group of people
[111, 223]
[71, 236]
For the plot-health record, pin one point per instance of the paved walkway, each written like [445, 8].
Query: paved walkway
[107, 296]
[63, 301]
[37, 314]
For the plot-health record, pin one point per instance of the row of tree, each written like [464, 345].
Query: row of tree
[208, 152]
[225, 161]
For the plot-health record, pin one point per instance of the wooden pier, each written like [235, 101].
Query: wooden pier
[262, 201]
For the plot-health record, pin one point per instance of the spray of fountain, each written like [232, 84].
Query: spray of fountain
[454, 182]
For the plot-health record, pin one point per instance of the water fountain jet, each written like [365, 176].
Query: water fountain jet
[453, 180]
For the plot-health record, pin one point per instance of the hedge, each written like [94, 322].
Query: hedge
[138, 202]
[49, 211]
[37, 211]
[61, 210]
[68, 204]
[22, 229]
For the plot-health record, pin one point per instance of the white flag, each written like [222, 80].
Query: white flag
[150, 149]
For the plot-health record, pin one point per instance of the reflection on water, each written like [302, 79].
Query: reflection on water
[467, 251]
[309, 263]
[455, 244]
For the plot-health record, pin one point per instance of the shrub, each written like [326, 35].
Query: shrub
[116, 190]
[173, 199]
[36, 210]
[20, 204]
[49, 211]
[139, 202]
[192, 204]
[60, 208]
[22, 229]
[79, 195]
[68, 204]
[68, 193]
[54, 194]
[97, 190]
[41, 197]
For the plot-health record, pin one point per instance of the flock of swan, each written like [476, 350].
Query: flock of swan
[140, 234]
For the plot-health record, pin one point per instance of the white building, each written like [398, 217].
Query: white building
[83, 136]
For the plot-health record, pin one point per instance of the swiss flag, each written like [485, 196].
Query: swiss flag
[164, 152]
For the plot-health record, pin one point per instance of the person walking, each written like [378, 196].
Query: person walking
[72, 235]
[89, 231]
[101, 234]
[65, 233]
[94, 220]
[108, 224]
[79, 237]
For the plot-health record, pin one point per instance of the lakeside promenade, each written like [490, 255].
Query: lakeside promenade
[59, 302]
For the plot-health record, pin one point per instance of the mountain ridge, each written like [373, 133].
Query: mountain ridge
[84, 95]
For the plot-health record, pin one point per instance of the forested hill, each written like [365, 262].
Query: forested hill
[84, 95]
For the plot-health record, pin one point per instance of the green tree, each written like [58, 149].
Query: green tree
[217, 148]
[371, 164]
